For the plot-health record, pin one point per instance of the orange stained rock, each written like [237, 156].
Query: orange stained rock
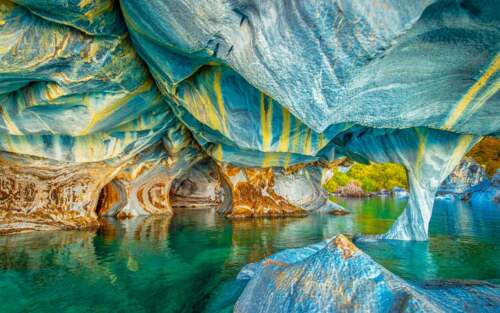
[253, 194]
[38, 194]
[344, 244]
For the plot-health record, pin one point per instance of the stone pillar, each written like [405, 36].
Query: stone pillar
[429, 156]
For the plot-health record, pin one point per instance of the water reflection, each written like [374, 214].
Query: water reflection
[181, 264]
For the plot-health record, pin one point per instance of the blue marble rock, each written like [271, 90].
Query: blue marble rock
[255, 84]
[336, 62]
[74, 96]
[335, 276]
[428, 159]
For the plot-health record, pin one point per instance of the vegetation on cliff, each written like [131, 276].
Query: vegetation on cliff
[487, 153]
[375, 177]
[370, 178]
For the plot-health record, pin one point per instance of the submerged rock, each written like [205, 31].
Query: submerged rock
[335, 276]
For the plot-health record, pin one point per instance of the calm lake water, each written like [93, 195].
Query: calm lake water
[186, 263]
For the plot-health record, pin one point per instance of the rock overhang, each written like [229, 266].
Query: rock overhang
[252, 85]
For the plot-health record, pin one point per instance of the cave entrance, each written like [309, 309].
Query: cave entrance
[201, 187]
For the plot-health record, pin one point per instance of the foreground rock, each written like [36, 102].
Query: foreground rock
[335, 276]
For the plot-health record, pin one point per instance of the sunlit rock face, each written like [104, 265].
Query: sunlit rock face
[254, 195]
[335, 276]
[468, 174]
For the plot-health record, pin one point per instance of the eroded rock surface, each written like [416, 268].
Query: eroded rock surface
[202, 186]
[259, 86]
[39, 194]
[253, 194]
[143, 186]
[335, 276]
[428, 156]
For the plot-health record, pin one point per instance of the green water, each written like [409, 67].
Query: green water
[182, 264]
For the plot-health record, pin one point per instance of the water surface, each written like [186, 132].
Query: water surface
[184, 263]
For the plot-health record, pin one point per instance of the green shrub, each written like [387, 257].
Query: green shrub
[371, 178]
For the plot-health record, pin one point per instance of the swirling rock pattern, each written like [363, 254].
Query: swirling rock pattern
[36, 194]
[253, 194]
[260, 86]
[143, 186]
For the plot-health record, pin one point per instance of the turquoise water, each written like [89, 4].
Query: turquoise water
[183, 264]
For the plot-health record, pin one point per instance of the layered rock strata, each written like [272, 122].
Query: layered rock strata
[94, 81]
[40, 194]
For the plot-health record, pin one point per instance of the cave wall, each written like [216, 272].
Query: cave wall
[260, 87]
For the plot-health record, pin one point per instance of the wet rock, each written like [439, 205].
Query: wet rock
[335, 276]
